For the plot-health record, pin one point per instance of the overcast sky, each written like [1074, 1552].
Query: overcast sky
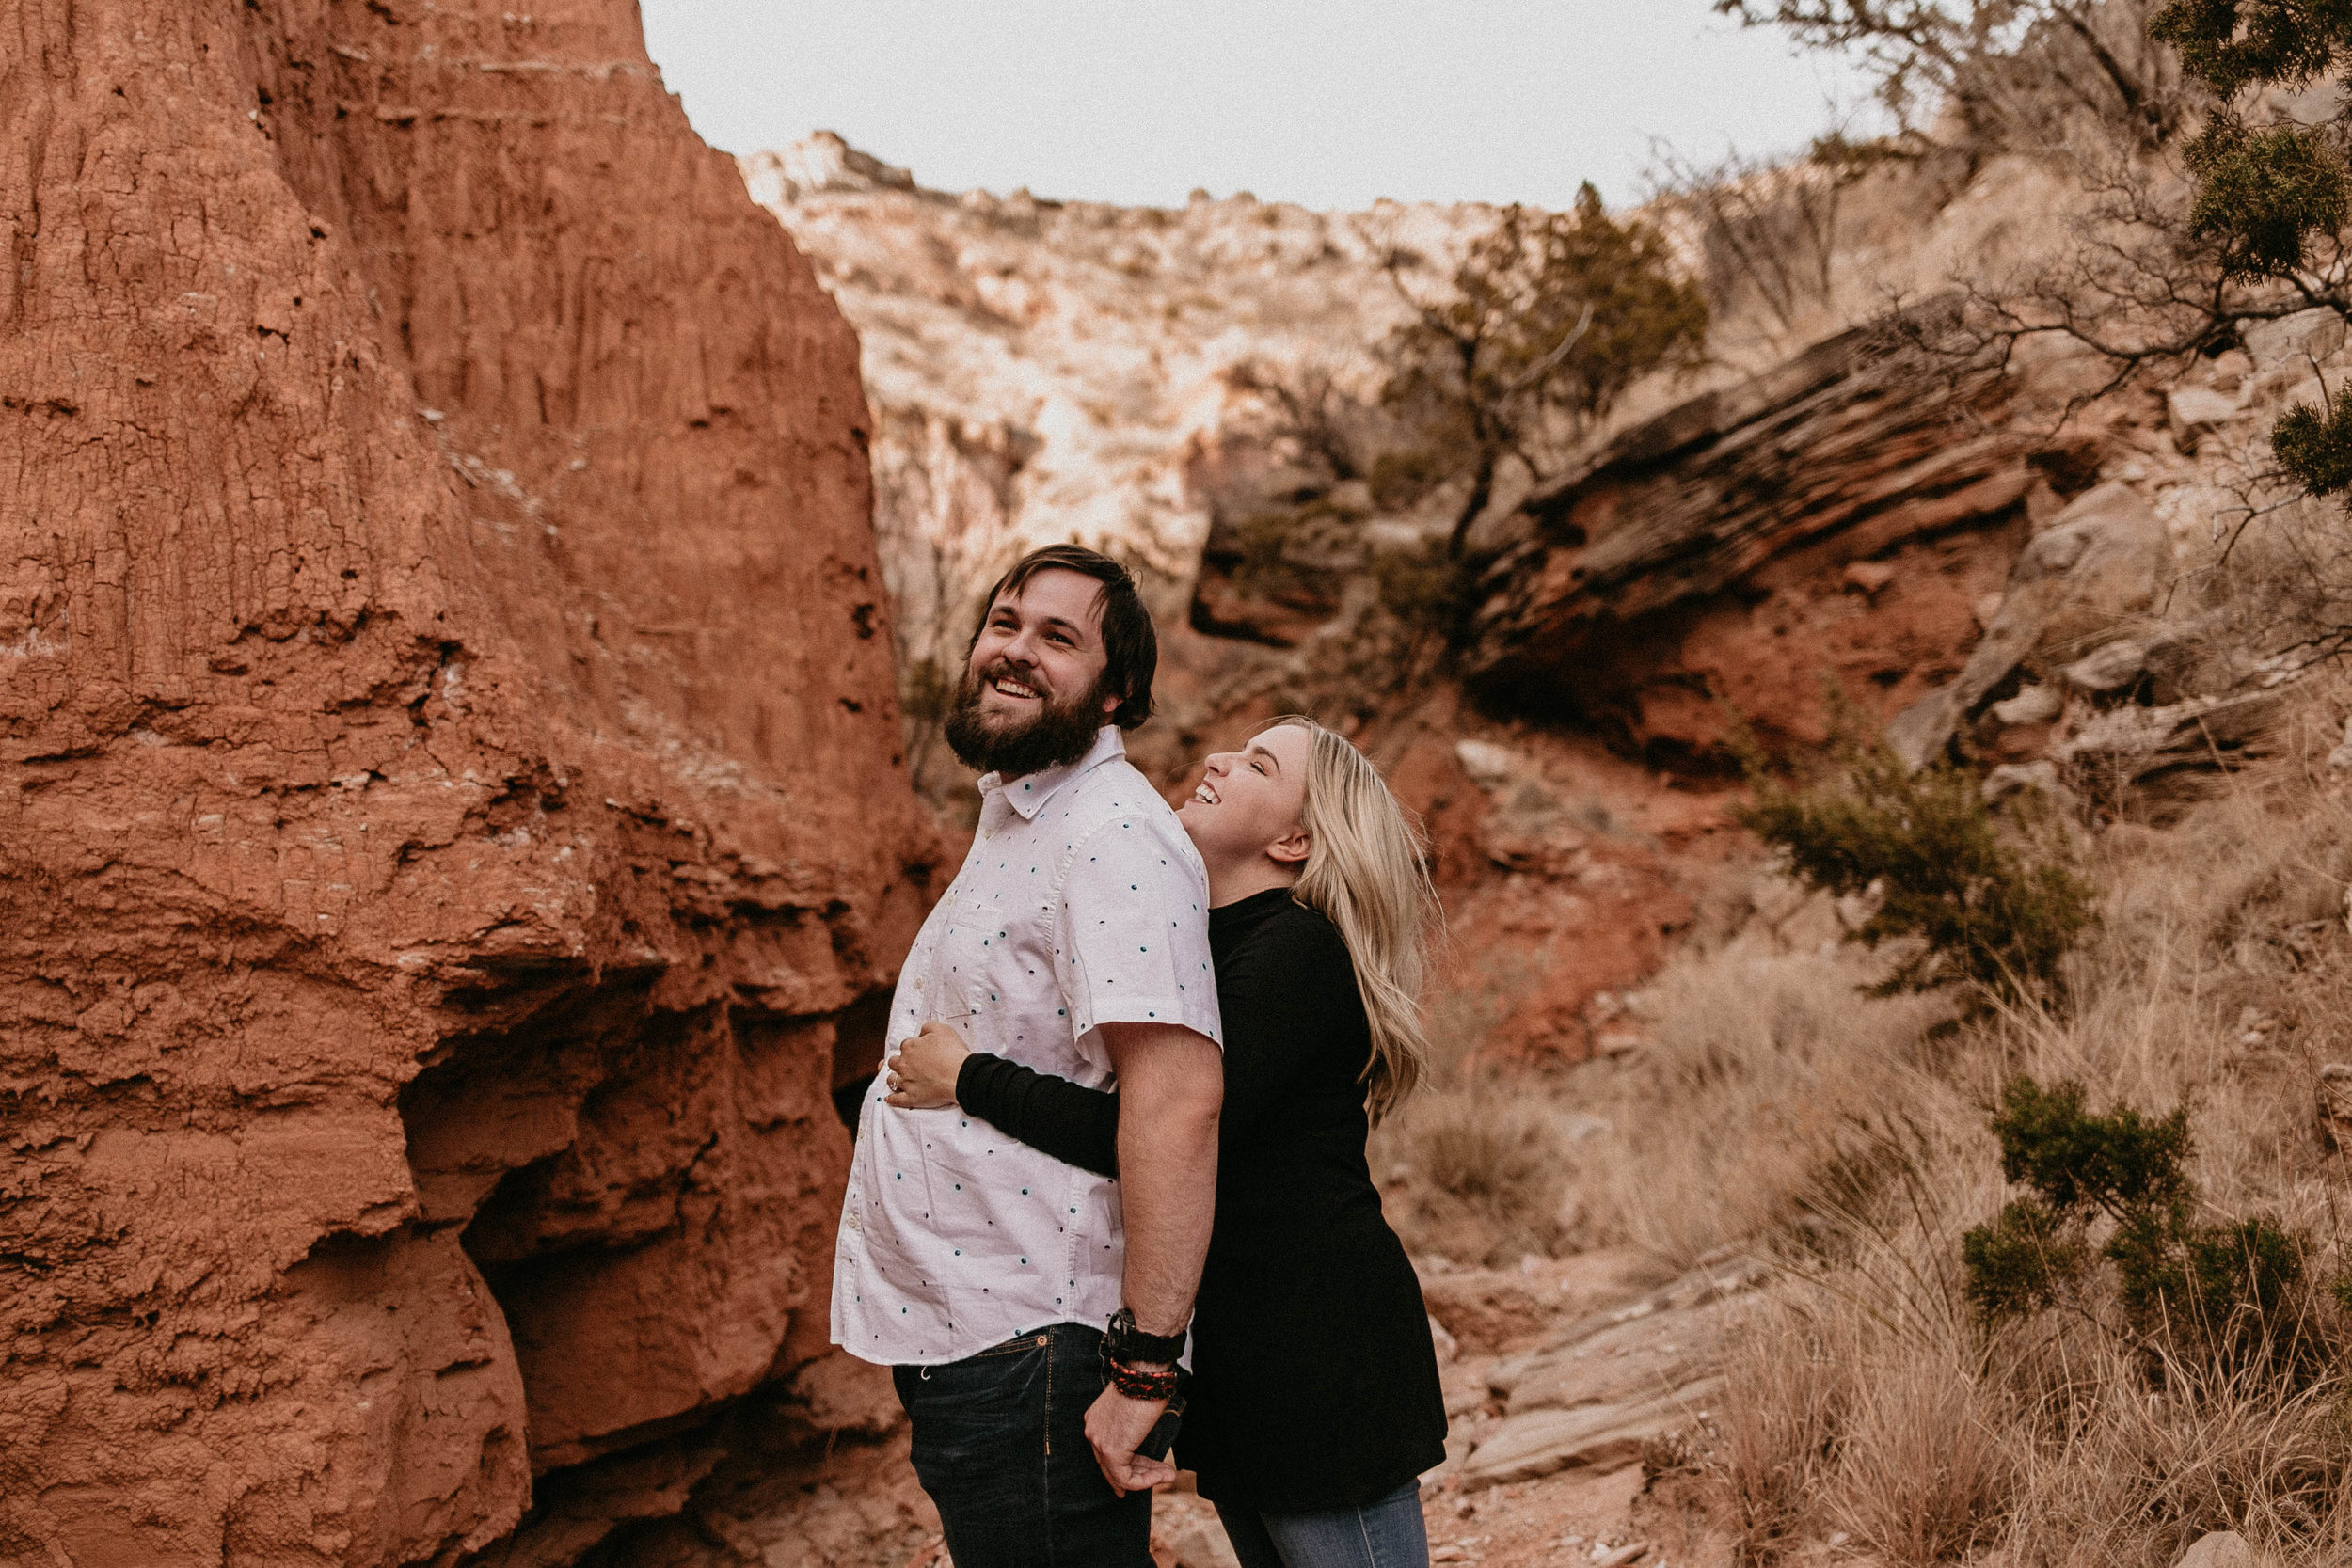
[1325, 103]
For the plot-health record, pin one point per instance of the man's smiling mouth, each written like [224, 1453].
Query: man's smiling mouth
[1004, 686]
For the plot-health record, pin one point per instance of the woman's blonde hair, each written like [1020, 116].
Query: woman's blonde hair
[1367, 871]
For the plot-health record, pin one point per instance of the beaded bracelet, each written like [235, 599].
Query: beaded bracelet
[1136, 1384]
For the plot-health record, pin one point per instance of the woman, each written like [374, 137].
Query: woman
[1313, 1403]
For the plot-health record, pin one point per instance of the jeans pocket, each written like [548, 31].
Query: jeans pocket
[971, 1418]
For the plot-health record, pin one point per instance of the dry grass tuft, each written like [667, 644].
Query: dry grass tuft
[1785, 1404]
[1765, 1069]
[1479, 1168]
[1924, 1471]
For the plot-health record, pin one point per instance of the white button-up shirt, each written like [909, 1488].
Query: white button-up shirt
[1081, 903]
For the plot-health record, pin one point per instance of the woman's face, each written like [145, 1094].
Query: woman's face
[1248, 802]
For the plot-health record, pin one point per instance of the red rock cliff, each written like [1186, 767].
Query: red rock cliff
[450, 791]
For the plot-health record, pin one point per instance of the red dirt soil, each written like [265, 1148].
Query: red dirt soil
[455, 779]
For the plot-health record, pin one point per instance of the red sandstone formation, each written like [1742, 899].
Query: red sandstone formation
[452, 779]
[1845, 513]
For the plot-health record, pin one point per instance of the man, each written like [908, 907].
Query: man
[1074, 939]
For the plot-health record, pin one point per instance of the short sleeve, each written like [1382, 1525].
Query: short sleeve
[1132, 935]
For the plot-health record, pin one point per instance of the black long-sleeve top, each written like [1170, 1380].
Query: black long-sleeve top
[1314, 1385]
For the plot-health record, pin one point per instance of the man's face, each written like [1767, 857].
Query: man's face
[1031, 697]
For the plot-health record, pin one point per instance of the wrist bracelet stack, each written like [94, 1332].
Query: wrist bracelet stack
[1124, 1344]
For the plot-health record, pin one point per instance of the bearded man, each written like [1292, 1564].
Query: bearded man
[1074, 939]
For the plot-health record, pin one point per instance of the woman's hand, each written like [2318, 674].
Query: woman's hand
[923, 1073]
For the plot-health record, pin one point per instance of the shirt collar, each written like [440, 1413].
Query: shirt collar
[1028, 794]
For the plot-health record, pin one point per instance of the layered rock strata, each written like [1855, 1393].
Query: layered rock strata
[454, 779]
[1848, 514]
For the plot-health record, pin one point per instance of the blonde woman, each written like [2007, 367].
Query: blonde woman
[1313, 1401]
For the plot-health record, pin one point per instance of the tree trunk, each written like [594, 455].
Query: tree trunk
[1481, 491]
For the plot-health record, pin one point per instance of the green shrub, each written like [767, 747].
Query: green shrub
[2229, 1295]
[2029, 1259]
[2120, 1162]
[2273, 194]
[1992, 909]
[1547, 320]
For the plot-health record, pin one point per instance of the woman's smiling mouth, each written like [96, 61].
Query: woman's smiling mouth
[1202, 793]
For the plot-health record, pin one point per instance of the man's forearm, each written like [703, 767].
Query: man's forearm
[1170, 1084]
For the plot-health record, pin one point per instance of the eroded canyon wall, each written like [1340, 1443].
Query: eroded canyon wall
[452, 780]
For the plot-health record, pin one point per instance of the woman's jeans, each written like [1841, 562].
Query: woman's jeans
[1001, 1445]
[1384, 1533]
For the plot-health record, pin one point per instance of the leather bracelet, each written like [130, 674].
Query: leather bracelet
[1136, 1384]
[1125, 1342]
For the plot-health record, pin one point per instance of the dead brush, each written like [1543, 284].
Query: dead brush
[2079, 1434]
[1856, 1399]
[2126, 1468]
[1484, 1171]
[1924, 1472]
[1758, 1062]
[1785, 1408]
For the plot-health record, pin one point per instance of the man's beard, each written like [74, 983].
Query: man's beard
[1057, 733]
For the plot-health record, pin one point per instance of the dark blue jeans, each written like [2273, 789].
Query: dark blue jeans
[1001, 1445]
[1384, 1533]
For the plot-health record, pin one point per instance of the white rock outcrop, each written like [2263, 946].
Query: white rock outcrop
[1045, 370]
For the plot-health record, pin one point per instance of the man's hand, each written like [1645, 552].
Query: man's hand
[1115, 1425]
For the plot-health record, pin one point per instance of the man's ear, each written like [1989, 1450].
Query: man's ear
[1291, 848]
[1111, 701]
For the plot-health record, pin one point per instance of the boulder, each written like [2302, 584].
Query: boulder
[2135, 746]
[1540, 1442]
[1841, 513]
[2012, 778]
[2317, 332]
[2099, 563]
[2222, 1549]
[2033, 704]
[2196, 412]
[1597, 1393]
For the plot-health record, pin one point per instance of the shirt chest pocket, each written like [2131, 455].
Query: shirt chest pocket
[962, 985]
